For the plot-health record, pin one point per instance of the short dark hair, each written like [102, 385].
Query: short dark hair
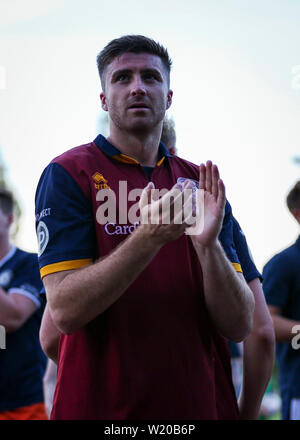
[293, 197]
[6, 201]
[133, 44]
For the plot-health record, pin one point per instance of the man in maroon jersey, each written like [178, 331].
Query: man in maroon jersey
[143, 309]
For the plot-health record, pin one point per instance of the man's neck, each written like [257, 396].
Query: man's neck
[141, 147]
[5, 246]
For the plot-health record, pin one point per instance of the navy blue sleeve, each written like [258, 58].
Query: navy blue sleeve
[226, 238]
[248, 266]
[276, 283]
[64, 222]
[27, 280]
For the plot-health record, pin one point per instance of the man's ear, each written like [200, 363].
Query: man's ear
[169, 99]
[296, 214]
[103, 101]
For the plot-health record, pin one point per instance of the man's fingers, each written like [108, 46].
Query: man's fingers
[202, 172]
[174, 207]
[215, 178]
[185, 214]
[178, 217]
[145, 198]
[171, 203]
[208, 176]
[190, 211]
[145, 203]
[221, 200]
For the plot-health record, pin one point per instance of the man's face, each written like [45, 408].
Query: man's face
[136, 92]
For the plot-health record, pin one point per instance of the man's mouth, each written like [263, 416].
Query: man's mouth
[138, 105]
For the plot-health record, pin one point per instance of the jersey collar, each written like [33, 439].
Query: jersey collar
[116, 154]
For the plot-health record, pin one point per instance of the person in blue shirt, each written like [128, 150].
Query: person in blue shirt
[258, 349]
[282, 289]
[22, 361]
[253, 359]
[255, 356]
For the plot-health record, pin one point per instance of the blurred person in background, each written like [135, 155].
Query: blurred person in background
[22, 362]
[252, 360]
[282, 289]
[258, 349]
[168, 135]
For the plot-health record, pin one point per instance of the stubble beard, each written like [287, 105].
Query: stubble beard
[140, 126]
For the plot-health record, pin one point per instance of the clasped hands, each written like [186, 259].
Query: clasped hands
[184, 210]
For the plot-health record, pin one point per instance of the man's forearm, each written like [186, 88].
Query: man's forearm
[8, 311]
[258, 361]
[15, 309]
[228, 298]
[284, 328]
[84, 294]
[49, 336]
[258, 356]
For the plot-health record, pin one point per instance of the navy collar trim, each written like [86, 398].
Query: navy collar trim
[112, 151]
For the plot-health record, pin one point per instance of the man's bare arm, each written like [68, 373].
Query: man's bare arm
[227, 295]
[49, 336]
[258, 356]
[15, 309]
[77, 297]
[229, 299]
[283, 326]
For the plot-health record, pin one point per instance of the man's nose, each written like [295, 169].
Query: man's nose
[138, 87]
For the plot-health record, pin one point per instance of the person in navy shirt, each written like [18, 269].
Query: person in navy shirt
[22, 362]
[144, 309]
[256, 354]
[258, 349]
[282, 289]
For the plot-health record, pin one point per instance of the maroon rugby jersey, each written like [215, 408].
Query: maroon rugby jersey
[154, 354]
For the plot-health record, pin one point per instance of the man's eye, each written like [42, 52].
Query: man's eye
[149, 76]
[123, 77]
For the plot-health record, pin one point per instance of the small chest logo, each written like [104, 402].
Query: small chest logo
[99, 181]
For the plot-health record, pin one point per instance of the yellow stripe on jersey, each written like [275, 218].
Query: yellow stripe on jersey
[160, 161]
[125, 159]
[64, 265]
[237, 267]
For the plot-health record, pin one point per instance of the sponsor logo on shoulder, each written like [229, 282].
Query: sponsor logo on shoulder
[43, 213]
[43, 237]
